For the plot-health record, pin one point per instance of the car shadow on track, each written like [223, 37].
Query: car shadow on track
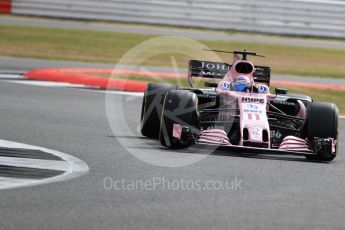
[153, 144]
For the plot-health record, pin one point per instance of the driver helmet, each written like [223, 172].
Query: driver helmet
[240, 83]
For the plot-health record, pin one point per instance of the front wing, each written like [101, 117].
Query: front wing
[217, 139]
[251, 150]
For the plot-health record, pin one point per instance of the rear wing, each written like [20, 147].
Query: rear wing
[217, 70]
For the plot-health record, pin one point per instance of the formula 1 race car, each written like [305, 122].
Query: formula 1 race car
[237, 112]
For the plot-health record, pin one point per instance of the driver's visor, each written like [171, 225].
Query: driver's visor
[240, 87]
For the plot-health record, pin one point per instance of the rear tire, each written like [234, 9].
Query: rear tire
[152, 108]
[322, 121]
[180, 107]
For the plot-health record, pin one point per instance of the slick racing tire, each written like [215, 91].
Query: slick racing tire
[152, 108]
[180, 107]
[322, 121]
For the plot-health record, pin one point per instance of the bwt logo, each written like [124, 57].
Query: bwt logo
[253, 100]
[250, 106]
[226, 85]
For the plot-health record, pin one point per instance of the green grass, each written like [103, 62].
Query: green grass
[109, 47]
[334, 96]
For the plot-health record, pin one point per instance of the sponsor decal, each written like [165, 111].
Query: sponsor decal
[177, 131]
[263, 89]
[209, 73]
[253, 100]
[208, 96]
[241, 79]
[217, 66]
[252, 109]
[275, 134]
[251, 106]
[256, 133]
[282, 101]
[225, 86]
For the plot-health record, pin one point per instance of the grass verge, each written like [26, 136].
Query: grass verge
[109, 47]
[334, 96]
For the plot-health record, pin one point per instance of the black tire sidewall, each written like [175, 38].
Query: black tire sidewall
[180, 106]
[322, 122]
[153, 97]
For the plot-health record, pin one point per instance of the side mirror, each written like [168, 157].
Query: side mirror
[281, 91]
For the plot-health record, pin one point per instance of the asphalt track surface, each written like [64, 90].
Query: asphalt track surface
[274, 193]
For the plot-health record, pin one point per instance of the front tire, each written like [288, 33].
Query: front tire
[322, 121]
[180, 107]
[152, 108]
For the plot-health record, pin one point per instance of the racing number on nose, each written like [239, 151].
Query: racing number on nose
[250, 116]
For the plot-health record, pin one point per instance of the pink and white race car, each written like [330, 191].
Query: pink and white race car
[238, 113]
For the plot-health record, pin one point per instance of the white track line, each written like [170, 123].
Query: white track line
[7, 182]
[35, 163]
[11, 76]
[46, 83]
[73, 167]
